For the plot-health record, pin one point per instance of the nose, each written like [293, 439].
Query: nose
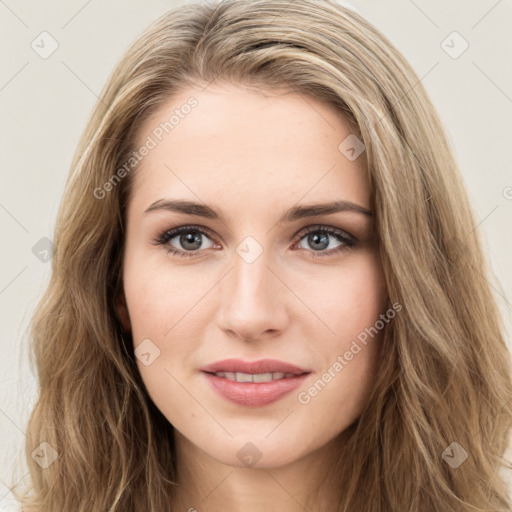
[253, 299]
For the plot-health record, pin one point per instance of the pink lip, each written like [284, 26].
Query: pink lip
[261, 366]
[254, 394]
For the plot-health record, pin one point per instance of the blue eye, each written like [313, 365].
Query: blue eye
[189, 237]
[317, 237]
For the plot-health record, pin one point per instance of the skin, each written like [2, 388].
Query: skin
[253, 156]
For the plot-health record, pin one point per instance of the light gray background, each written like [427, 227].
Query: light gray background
[45, 103]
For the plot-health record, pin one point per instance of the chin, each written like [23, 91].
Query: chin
[254, 451]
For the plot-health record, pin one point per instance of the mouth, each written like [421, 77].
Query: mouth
[254, 377]
[255, 383]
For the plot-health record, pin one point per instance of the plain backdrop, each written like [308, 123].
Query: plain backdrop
[45, 102]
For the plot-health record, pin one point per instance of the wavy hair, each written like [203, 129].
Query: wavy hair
[444, 374]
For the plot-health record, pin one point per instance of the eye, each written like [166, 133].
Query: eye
[319, 237]
[189, 237]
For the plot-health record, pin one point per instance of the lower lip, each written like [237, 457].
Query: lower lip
[254, 394]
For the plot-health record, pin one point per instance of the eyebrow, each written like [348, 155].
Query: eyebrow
[295, 213]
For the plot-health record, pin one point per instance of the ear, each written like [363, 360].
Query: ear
[122, 311]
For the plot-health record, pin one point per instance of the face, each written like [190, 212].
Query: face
[252, 273]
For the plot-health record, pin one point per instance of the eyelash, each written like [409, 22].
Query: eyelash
[348, 241]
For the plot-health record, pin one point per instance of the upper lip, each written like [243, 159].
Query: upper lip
[260, 366]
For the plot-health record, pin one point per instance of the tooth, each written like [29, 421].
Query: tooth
[243, 377]
[262, 377]
[257, 377]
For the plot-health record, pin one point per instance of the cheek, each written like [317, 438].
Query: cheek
[164, 306]
[164, 322]
[351, 306]
[155, 297]
[352, 299]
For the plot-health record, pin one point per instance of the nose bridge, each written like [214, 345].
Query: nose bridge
[252, 300]
[250, 279]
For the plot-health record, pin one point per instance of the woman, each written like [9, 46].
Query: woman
[267, 291]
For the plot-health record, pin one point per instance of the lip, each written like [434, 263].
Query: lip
[254, 394]
[260, 366]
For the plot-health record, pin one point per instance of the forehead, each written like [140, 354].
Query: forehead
[248, 146]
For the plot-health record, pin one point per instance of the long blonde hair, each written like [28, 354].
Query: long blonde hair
[444, 375]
